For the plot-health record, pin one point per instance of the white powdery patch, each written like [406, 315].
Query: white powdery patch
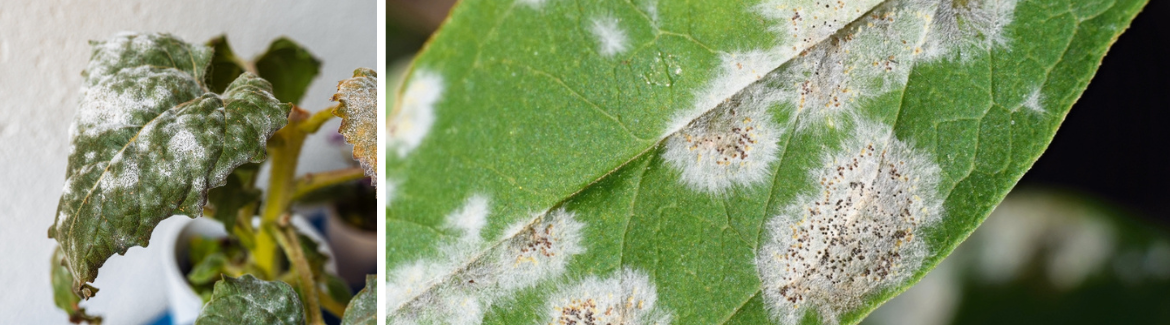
[390, 190]
[1035, 101]
[534, 4]
[116, 103]
[417, 113]
[734, 145]
[471, 217]
[472, 277]
[857, 233]
[611, 39]
[629, 298]
[867, 58]
[799, 24]
[967, 28]
[123, 178]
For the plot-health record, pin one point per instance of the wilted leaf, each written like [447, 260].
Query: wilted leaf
[289, 67]
[709, 162]
[247, 300]
[148, 142]
[363, 308]
[358, 111]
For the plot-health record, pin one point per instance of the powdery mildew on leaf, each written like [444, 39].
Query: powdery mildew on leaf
[472, 276]
[1034, 102]
[864, 59]
[248, 300]
[734, 145]
[359, 117]
[628, 298]
[857, 233]
[148, 142]
[411, 123]
[363, 308]
[798, 25]
[611, 39]
[967, 28]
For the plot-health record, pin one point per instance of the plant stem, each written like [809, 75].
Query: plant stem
[333, 306]
[312, 182]
[287, 238]
[284, 149]
[314, 122]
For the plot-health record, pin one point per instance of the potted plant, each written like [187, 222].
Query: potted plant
[166, 127]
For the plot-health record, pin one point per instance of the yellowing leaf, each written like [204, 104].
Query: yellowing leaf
[358, 111]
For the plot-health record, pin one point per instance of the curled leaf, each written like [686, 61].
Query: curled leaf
[148, 141]
[359, 117]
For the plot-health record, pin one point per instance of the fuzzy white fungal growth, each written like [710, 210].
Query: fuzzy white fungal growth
[734, 145]
[413, 121]
[1035, 101]
[611, 38]
[471, 217]
[857, 233]
[390, 190]
[799, 24]
[863, 60]
[628, 298]
[473, 276]
[534, 4]
[967, 28]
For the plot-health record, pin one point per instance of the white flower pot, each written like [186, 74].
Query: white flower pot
[183, 303]
[357, 249]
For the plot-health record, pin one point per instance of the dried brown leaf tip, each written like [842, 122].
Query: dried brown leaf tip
[359, 117]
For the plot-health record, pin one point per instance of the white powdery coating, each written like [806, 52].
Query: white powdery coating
[799, 24]
[123, 178]
[611, 39]
[734, 145]
[473, 277]
[539, 251]
[390, 190]
[104, 109]
[417, 113]
[865, 59]
[471, 217]
[629, 298]
[856, 234]
[1035, 101]
[534, 4]
[967, 28]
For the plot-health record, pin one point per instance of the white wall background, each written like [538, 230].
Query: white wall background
[43, 48]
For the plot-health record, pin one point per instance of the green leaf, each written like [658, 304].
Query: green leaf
[363, 309]
[63, 295]
[289, 67]
[148, 141]
[208, 270]
[711, 162]
[238, 192]
[358, 110]
[247, 300]
[225, 66]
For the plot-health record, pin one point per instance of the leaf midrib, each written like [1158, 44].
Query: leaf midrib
[482, 252]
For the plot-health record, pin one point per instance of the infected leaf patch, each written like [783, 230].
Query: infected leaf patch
[359, 117]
